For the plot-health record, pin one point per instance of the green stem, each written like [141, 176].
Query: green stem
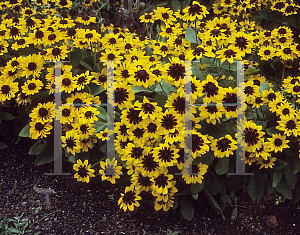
[262, 112]
[283, 72]
[163, 90]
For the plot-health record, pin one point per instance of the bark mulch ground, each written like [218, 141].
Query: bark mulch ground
[80, 208]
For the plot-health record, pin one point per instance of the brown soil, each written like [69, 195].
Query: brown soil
[80, 208]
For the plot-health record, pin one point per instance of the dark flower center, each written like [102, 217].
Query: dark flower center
[5, 89]
[112, 41]
[89, 35]
[194, 9]
[164, 48]
[111, 56]
[39, 34]
[296, 88]
[142, 75]
[291, 124]
[66, 82]
[43, 112]
[66, 112]
[287, 51]
[165, 16]
[278, 142]
[152, 127]
[32, 66]
[56, 51]
[102, 78]
[39, 126]
[31, 86]
[71, 32]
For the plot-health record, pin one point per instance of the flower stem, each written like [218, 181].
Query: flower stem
[262, 112]
[163, 89]
[283, 72]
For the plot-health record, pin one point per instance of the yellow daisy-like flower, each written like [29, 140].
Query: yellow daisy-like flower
[84, 171]
[110, 171]
[129, 199]
[166, 155]
[8, 89]
[164, 14]
[32, 65]
[266, 163]
[39, 130]
[65, 114]
[211, 112]
[196, 10]
[147, 17]
[277, 143]
[32, 86]
[194, 173]
[57, 53]
[71, 141]
[162, 181]
[224, 146]
[43, 113]
[289, 124]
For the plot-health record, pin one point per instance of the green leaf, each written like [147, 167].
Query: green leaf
[218, 184]
[190, 35]
[46, 155]
[102, 114]
[186, 209]
[75, 57]
[264, 86]
[252, 187]
[195, 196]
[296, 194]
[185, 3]
[290, 177]
[86, 65]
[163, 3]
[271, 131]
[100, 126]
[37, 148]
[6, 116]
[213, 202]
[276, 178]
[95, 89]
[25, 131]
[137, 89]
[197, 188]
[251, 70]
[209, 184]
[283, 189]
[41, 95]
[160, 99]
[3, 146]
[208, 158]
[279, 164]
[175, 4]
[249, 113]
[222, 166]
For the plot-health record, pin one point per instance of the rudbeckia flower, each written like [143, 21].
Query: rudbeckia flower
[129, 199]
[84, 171]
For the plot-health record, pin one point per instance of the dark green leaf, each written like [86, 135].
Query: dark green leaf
[283, 189]
[252, 187]
[137, 89]
[160, 99]
[264, 86]
[6, 116]
[41, 95]
[175, 4]
[208, 158]
[271, 131]
[222, 166]
[25, 131]
[46, 155]
[176, 202]
[279, 164]
[86, 65]
[209, 184]
[95, 89]
[213, 202]
[249, 113]
[75, 57]
[185, 3]
[186, 209]
[290, 177]
[37, 148]
[163, 3]
[296, 194]
[276, 178]
[3, 146]
[197, 188]
[251, 70]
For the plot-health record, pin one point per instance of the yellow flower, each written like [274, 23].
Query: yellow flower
[84, 171]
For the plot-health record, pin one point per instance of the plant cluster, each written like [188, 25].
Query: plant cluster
[150, 74]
